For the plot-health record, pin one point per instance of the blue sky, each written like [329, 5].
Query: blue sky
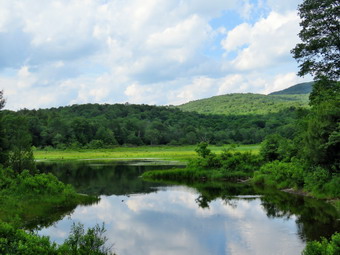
[62, 52]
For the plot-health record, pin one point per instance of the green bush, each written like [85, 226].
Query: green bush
[281, 174]
[39, 184]
[90, 242]
[316, 179]
[324, 247]
[321, 183]
[244, 162]
[16, 241]
[80, 242]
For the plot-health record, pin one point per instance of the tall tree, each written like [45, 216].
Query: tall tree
[319, 55]
[319, 51]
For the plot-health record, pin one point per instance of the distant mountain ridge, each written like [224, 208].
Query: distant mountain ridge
[243, 104]
[301, 88]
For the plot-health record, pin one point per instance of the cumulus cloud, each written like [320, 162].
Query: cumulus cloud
[266, 43]
[158, 52]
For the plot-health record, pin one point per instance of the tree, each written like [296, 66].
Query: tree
[319, 52]
[270, 147]
[202, 150]
[319, 55]
[324, 91]
[322, 137]
[20, 156]
[3, 149]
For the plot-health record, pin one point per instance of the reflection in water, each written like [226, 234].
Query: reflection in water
[103, 178]
[204, 218]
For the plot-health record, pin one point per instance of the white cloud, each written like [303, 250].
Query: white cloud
[238, 37]
[246, 9]
[270, 41]
[158, 52]
[281, 80]
[198, 88]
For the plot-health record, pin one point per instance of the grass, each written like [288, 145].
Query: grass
[193, 175]
[180, 153]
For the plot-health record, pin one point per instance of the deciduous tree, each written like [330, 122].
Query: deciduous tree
[319, 51]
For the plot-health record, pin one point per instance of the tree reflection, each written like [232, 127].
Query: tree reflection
[102, 177]
[314, 218]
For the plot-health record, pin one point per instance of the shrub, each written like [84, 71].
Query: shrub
[281, 174]
[17, 241]
[316, 179]
[90, 242]
[323, 247]
[80, 242]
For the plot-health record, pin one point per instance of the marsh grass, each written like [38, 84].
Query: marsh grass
[190, 174]
[179, 153]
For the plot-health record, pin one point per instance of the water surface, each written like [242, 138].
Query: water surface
[206, 218]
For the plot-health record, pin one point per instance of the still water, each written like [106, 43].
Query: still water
[206, 218]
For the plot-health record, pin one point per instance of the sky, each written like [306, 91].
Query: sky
[159, 52]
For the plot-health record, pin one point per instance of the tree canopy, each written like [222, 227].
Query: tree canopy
[319, 51]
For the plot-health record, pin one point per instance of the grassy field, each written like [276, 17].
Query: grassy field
[181, 153]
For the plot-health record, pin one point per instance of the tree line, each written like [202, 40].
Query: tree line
[98, 126]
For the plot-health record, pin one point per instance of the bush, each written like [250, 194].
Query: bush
[281, 174]
[244, 162]
[39, 184]
[323, 247]
[17, 241]
[90, 242]
[316, 179]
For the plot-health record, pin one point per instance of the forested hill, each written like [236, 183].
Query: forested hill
[301, 88]
[245, 104]
[96, 126]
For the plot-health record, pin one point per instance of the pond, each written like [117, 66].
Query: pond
[202, 218]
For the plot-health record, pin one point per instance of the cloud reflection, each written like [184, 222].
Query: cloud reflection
[170, 222]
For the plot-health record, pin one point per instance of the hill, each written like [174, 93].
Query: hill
[245, 104]
[301, 88]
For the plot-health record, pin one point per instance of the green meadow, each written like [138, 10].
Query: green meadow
[180, 153]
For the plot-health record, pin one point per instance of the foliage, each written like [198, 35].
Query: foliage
[323, 247]
[20, 156]
[322, 140]
[319, 51]
[281, 174]
[212, 166]
[323, 91]
[276, 147]
[106, 126]
[3, 145]
[17, 241]
[30, 197]
[246, 104]
[90, 242]
[202, 150]
[301, 88]
[321, 183]
[270, 147]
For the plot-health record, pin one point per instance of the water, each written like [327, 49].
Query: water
[206, 218]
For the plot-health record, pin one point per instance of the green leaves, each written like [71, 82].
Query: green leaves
[319, 52]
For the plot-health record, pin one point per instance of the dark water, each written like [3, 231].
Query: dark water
[205, 218]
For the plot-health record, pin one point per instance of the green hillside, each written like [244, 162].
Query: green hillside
[301, 88]
[244, 104]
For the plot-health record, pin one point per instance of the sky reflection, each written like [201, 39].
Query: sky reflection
[169, 221]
